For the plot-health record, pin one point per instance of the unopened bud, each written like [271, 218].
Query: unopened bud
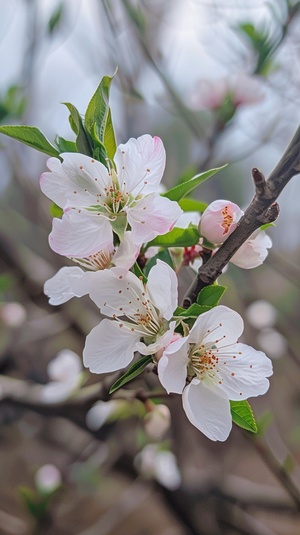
[219, 220]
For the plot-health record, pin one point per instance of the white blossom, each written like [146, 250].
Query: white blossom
[209, 367]
[98, 201]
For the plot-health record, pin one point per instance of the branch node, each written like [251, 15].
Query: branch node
[272, 213]
[259, 182]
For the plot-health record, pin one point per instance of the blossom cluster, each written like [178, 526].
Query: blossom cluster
[110, 214]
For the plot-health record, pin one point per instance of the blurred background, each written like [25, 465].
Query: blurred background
[218, 81]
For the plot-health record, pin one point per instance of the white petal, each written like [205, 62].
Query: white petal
[127, 252]
[172, 366]
[62, 286]
[220, 325]
[253, 252]
[109, 347]
[162, 287]
[80, 234]
[77, 181]
[115, 293]
[140, 164]
[151, 216]
[208, 410]
[244, 373]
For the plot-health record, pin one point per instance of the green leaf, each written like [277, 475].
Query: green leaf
[211, 295]
[242, 415]
[180, 191]
[163, 255]
[65, 145]
[138, 272]
[98, 121]
[267, 225]
[193, 311]
[32, 136]
[136, 369]
[177, 237]
[82, 142]
[191, 205]
[56, 211]
[55, 18]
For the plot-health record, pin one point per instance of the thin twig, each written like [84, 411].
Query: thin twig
[262, 209]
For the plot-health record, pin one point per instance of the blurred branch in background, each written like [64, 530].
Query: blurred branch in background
[117, 478]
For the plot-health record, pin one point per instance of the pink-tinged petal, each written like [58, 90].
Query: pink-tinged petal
[219, 220]
[63, 285]
[162, 287]
[220, 326]
[253, 252]
[160, 343]
[151, 216]
[77, 181]
[140, 164]
[245, 89]
[80, 234]
[116, 294]
[126, 253]
[243, 372]
[208, 409]
[109, 347]
[172, 366]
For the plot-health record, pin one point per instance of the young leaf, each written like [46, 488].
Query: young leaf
[211, 295]
[98, 121]
[32, 136]
[163, 255]
[242, 415]
[177, 237]
[193, 311]
[191, 205]
[136, 369]
[82, 142]
[180, 191]
[65, 145]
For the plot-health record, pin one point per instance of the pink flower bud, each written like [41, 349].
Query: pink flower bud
[219, 220]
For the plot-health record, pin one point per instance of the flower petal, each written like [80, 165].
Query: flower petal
[151, 216]
[208, 409]
[108, 347]
[172, 366]
[116, 294]
[253, 252]
[162, 287]
[243, 372]
[79, 234]
[140, 164]
[220, 325]
[62, 286]
[77, 181]
[126, 253]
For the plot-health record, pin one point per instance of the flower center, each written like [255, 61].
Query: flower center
[203, 362]
[95, 262]
[227, 220]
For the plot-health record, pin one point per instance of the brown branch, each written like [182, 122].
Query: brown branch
[262, 209]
